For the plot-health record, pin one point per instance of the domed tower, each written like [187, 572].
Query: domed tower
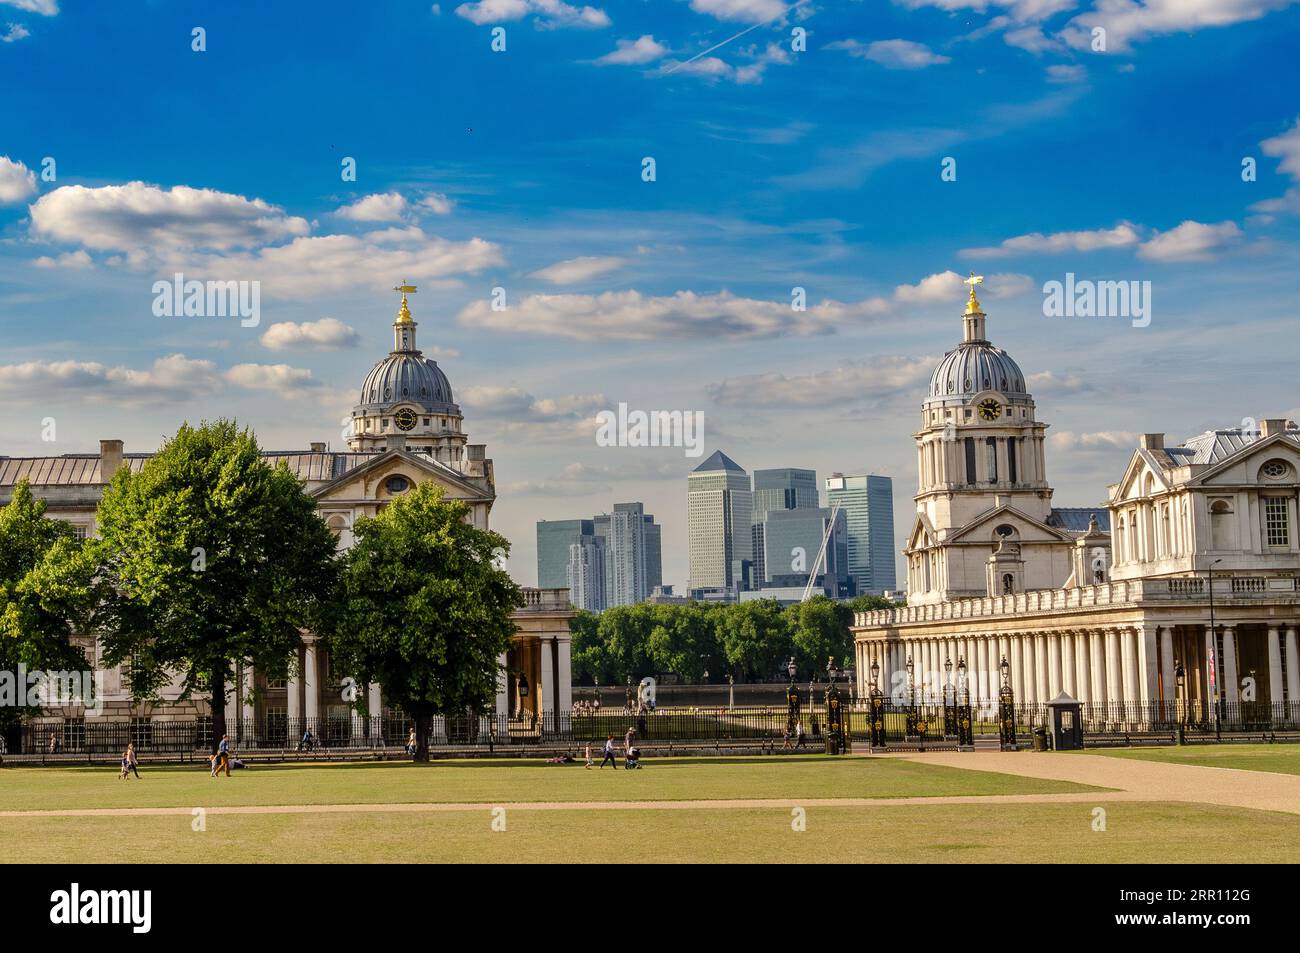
[407, 396]
[979, 448]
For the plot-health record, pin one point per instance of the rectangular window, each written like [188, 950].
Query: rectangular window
[1012, 474]
[970, 461]
[993, 459]
[1276, 527]
[142, 733]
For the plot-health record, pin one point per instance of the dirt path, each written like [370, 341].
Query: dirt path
[1138, 780]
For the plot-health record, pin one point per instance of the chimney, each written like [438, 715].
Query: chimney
[1153, 441]
[110, 459]
[317, 446]
[397, 441]
[1272, 425]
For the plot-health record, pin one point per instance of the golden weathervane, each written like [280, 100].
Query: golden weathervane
[404, 313]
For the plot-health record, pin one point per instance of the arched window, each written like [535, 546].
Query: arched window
[1008, 584]
[1223, 526]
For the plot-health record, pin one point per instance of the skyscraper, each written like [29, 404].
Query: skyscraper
[784, 489]
[719, 508]
[554, 537]
[793, 541]
[632, 555]
[586, 574]
[868, 505]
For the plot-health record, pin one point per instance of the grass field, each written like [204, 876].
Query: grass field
[495, 782]
[899, 833]
[1280, 759]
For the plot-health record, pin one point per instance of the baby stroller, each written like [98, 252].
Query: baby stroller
[633, 759]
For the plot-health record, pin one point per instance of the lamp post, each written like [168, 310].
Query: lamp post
[1180, 674]
[877, 708]
[1006, 709]
[731, 691]
[791, 700]
[521, 689]
[949, 719]
[1214, 650]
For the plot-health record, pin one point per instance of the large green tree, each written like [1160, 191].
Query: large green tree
[208, 557]
[819, 630]
[425, 608]
[755, 637]
[45, 593]
[684, 640]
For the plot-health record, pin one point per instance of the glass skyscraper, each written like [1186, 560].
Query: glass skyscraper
[867, 503]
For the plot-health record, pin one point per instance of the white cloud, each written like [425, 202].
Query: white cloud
[437, 203]
[644, 49]
[327, 334]
[1123, 235]
[47, 8]
[892, 54]
[884, 376]
[1100, 440]
[1127, 22]
[75, 260]
[632, 316]
[1066, 73]
[174, 378]
[1190, 241]
[17, 182]
[284, 380]
[549, 13]
[947, 287]
[711, 67]
[1285, 146]
[381, 207]
[145, 221]
[512, 410]
[576, 270]
[15, 33]
[744, 11]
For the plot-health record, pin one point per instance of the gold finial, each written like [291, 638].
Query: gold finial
[404, 313]
[973, 305]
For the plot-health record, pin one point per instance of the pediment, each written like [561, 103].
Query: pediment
[369, 480]
[1029, 530]
[1243, 467]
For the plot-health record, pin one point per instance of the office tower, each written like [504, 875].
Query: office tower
[719, 507]
[631, 553]
[868, 505]
[586, 574]
[793, 541]
[554, 537]
[784, 489]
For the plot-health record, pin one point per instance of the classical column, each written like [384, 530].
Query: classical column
[1114, 683]
[1231, 679]
[1274, 668]
[1292, 671]
[547, 701]
[247, 710]
[1053, 665]
[1148, 666]
[564, 674]
[1067, 666]
[311, 691]
[374, 701]
[1129, 656]
[1042, 662]
[1097, 666]
[1030, 670]
[1082, 674]
[1211, 653]
[293, 699]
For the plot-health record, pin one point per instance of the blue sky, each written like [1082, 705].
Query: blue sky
[775, 168]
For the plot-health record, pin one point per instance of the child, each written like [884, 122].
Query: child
[588, 755]
[126, 768]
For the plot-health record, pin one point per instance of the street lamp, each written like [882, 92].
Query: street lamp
[1214, 649]
[789, 667]
[875, 674]
[1180, 674]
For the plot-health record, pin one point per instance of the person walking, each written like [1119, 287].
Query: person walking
[588, 752]
[610, 756]
[131, 762]
[800, 740]
[222, 757]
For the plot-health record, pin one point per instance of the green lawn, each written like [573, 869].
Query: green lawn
[498, 781]
[1135, 832]
[1280, 758]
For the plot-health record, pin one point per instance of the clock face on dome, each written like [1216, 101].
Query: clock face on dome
[405, 419]
[990, 409]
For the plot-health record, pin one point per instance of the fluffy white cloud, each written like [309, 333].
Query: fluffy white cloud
[1123, 235]
[382, 207]
[1287, 148]
[947, 287]
[327, 334]
[711, 67]
[511, 410]
[1127, 21]
[1104, 440]
[1190, 241]
[882, 377]
[892, 54]
[145, 221]
[1066, 73]
[17, 182]
[336, 262]
[75, 260]
[632, 316]
[549, 13]
[744, 11]
[576, 270]
[644, 49]
[437, 203]
[14, 33]
[284, 380]
[46, 8]
[173, 378]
